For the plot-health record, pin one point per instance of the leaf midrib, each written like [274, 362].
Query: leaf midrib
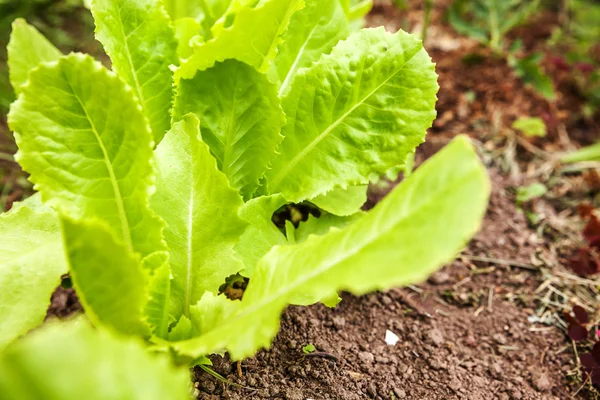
[190, 245]
[228, 140]
[138, 87]
[311, 146]
[113, 178]
[292, 71]
[282, 26]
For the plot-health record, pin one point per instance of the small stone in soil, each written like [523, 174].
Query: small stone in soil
[365, 357]
[436, 337]
[439, 278]
[541, 381]
[339, 322]
[499, 338]
[391, 338]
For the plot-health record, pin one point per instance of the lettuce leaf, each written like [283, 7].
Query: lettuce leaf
[261, 234]
[401, 241]
[140, 40]
[241, 119]
[322, 225]
[73, 361]
[201, 211]
[86, 144]
[313, 31]
[342, 202]
[357, 111]
[31, 263]
[109, 279]
[26, 50]
[252, 38]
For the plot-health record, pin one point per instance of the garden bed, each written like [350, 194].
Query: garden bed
[486, 326]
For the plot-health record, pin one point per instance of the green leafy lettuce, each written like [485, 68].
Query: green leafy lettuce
[73, 361]
[161, 177]
[32, 261]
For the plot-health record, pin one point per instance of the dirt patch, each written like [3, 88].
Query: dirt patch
[464, 334]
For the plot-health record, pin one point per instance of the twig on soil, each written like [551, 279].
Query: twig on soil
[462, 282]
[499, 261]
[577, 279]
[490, 298]
[483, 271]
[441, 312]
[544, 155]
[478, 311]
[578, 167]
[563, 136]
[407, 300]
[322, 354]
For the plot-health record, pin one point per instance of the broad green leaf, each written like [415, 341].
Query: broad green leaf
[252, 38]
[357, 111]
[211, 310]
[73, 361]
[158, 308]
[204, 12]
[342, 202]
[261, 234]
[31, 263]
[182, 330]
[178, 9]
[240, 116]
[313, 31]
[323, 224]
[417, 228]
[108, 278]
[26, 50]
[87, 146]
[140, 40]
[355, 11]
[185, 30]
[200, 209]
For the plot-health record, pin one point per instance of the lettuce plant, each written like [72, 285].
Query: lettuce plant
[158, 179]
[488, 21]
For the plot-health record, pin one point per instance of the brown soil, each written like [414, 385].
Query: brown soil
[470, 332]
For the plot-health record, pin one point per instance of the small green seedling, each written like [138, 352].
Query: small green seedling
[531, 192]
[530, 126]
[488, 21]
[309, 348]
